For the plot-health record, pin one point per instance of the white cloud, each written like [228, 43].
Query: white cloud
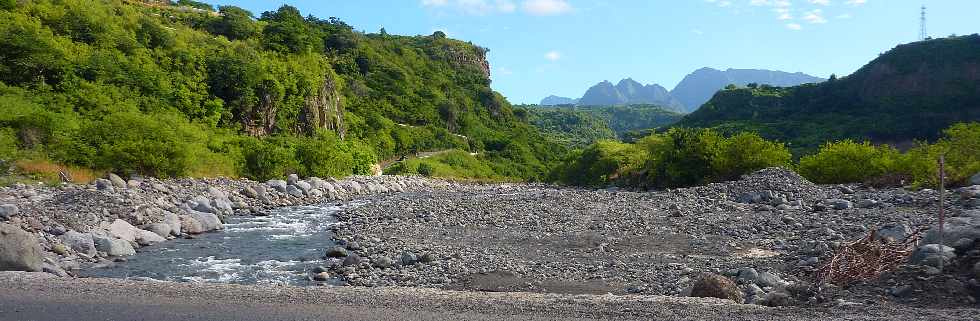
[697, 32]
[814, 16]
[820, 2]
[794, 26]
[844, 16]
[503, 71]
[856, 2]
[546, 7]
[552, 55]
[473, 7]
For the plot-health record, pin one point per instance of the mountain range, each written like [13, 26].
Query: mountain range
[693, 91]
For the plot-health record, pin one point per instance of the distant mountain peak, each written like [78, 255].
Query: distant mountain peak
[699, 86]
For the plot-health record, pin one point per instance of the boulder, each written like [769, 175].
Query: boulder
[767, 279]
[894, 232]
[160, 188]
[967, 225]
[866, 203]
[716, 286]
[123, 230]
[80, 242]
[174, 221]
[8, 210]
[336, 251]
[839, 204]
[113, 246]
[975, 179]
[352, 260]
[134, 183]
[277, 184]
[409, 258]
[382, 262]
[202, 204]
[146, 238]
[250, 192]
[427, 258]
[933, 255]
[117, 181]
[103, 184]
[161, 229]
[294, 191]
[304, 186]
[209, 221]
[292, 179]
[19, 250]
[976, 271]
[190, 225]
[777, 299]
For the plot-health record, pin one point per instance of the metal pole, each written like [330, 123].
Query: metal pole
[942, 210]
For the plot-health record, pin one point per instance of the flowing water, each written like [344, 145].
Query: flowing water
[276, 249]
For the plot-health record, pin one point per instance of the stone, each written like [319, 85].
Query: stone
[409, 258]
[202, 204]
[933, 255]
[79, 242]
[174, 221]
[767, 279]
[103, 184]
[747, 275]
[190, 225]
[134, 183]
[59, 249]
[277, 184]
[160, 188]
[967, 225]
[963, 244]
[209, 221]
[976, 271]
[8, 210]
[250, 192]
[352, 260]
[292, 179]
[846, 189]
[427, 258]
[900, 291]
[839, 204]
[867, 203]
[777, 299]
[716, 286]
[19, 250]
[294, 191]
[116, 181]
[975, 179]
[321, 277]
[336, 251]
[318, 269]
[894, 232]
[147, 238]
[113, 246]
[123, 230]
[354, 246]
[161, 229]
[303, 186]
[382, 262]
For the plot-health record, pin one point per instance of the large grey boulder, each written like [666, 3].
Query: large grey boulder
[716, 286]
[277, 184]
[966, 225]
[190, 225]
[113, 246]
[294, 191]
[161, 229]
[201, 204]
[80, 242]
[103, 184]
[8, 210]
[117, 181]
[123, 230]
[933, 255]
[894, 232]
[839, 204]
[209, 221]
[975, 179]
[146, 238]
[336, 251]
[304, 186]
[19, 250]
[173, 220]
[292, 179]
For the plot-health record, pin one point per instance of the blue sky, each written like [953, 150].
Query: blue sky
[542, 47]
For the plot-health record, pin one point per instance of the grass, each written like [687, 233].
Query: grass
[50, 173]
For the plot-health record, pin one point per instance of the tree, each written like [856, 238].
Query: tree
[289, 32]
[235, 24]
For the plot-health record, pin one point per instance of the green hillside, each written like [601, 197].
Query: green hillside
[910, 92]
[172, 90]
[578, 126]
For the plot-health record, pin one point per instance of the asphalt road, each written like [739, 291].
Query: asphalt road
[35, 296]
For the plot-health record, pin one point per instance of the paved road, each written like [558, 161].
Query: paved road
[34, 296]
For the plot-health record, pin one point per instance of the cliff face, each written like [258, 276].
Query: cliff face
[324, 110]
[698, 87]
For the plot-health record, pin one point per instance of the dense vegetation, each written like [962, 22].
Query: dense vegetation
[158, 90]
[686, 157]
[579, 126]
[911, 92]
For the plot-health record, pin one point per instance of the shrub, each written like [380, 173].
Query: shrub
[425, 169]
[748, 152]
[600, 164]
[847, 161]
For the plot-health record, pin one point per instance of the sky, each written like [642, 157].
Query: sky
[562, 47]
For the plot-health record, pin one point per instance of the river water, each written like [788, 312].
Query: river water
[278, 249]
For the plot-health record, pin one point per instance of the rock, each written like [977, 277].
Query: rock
[117, 181]
[976, 271]
[54, 269]
[963, 244]
[867, 203]
[318, 269]
[59, 249]
[123, 230]
[845, 189]
[900, 291]
[104, 185]
[174, 221]
[113, 246]
[133, 183]
[750, 198]
[8, 210]
[716, 286]
[250, 192]
[767, 279]
[190, 225]
[79, 242]
[19, 250]
[277, 184]
[747, 275]
[294, 191]
[933, 255]
[967, 225]
[147, 238]
[427, 258]
[839, 204]
[303, 186]
[202, 204]
[209, 221]
[352, 260]
[321, 277]
[336, 251]
[382, 262]
[354, 246]
[894, 232]
[161, 229]
[409, 258]
[753, 293]
[975, 179]
[292, 179]
[160, 187]
[777, 299]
